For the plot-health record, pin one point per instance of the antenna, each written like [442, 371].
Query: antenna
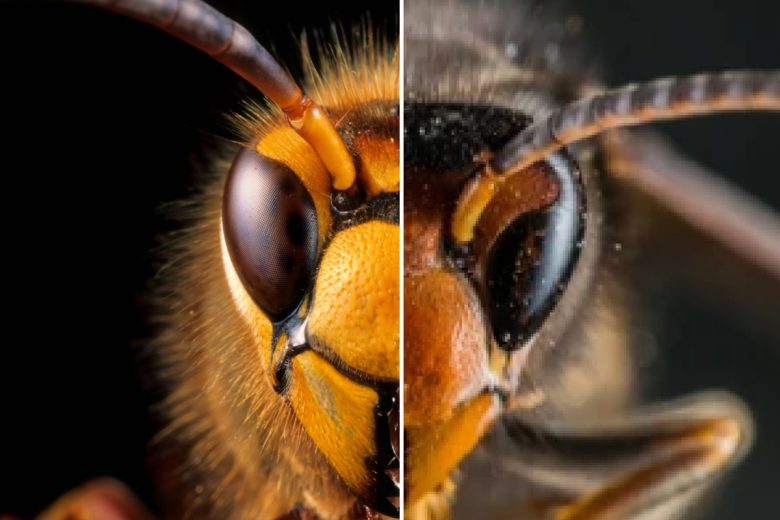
[205, 28]
[636, 104]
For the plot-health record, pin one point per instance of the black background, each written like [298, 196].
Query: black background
[106, 119]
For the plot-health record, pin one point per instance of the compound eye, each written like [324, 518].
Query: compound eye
[531, 260]
[270, 227]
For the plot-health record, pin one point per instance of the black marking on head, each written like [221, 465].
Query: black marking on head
[384, 207]
[377, 118]
[449, 136]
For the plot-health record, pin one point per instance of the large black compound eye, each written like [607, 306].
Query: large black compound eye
[270, 226]
[531, 261]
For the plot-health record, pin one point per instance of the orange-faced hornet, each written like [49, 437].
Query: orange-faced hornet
[269, 407]
[525, 222]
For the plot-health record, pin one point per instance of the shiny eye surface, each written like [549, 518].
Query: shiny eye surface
[270, 227]
[531, 260]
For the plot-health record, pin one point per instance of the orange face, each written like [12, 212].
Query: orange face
[471, 308]
[319, 284]
[447, 374]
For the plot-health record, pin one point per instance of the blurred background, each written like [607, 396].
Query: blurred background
[707, 320]
[96, 145]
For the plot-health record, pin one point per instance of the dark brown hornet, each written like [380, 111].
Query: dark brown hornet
[278, 307]
[517, 346]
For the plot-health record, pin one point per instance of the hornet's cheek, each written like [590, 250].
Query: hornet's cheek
[446, 373]
[353, 331]
[357, 299]
[446, 357]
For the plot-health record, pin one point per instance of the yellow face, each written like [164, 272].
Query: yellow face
[314, 273]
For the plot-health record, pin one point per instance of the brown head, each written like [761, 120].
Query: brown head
[468, 308]
[494, 227]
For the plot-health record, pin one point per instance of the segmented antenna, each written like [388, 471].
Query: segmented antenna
[667, 98]
[205, 28]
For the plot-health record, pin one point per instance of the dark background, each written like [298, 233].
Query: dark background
[707, 321]
[106, 119]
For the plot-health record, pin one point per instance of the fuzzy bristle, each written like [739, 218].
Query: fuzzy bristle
[230, 446]
[346, 73]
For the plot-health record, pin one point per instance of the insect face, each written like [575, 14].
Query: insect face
[318, 271]
[499, 289]
[276, 398]
[537, 344]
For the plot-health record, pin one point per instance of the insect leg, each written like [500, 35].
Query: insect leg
[649, 464]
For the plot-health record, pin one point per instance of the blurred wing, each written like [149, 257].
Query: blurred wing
[705, 201]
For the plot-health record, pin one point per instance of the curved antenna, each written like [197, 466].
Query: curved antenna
[205, 28]
[660, 99]
[667, 98]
